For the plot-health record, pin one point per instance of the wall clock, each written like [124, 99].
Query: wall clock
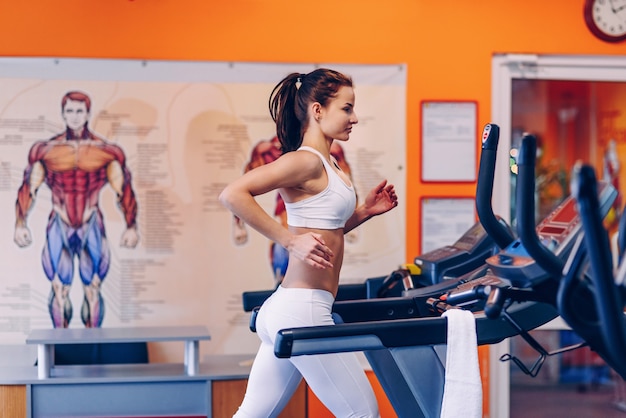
[606, 19]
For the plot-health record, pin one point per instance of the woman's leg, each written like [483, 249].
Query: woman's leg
[272, 381]
[337, 379]
[271, 384]
[340, 382]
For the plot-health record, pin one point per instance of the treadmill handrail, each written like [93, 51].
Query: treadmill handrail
[525, 210]
[607, 298]
[360, 336]
[484, 188]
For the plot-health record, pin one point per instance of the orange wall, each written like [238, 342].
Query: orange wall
[447, 45]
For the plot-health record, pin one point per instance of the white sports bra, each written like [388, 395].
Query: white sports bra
[329, 209]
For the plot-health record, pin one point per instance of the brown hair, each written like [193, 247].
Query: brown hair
[291, 97]
[77, 96]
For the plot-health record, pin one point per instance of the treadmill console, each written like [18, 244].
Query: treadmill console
[557, 232]
[466, 254]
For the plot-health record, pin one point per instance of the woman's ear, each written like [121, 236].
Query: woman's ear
[316, 111]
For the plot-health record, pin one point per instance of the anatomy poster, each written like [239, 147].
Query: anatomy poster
[122, 227]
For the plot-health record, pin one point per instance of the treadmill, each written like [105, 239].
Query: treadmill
[510, 295]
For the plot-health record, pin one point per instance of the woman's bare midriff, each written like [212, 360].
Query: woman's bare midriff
[300, 274]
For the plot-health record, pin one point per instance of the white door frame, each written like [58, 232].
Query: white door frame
[505, 68]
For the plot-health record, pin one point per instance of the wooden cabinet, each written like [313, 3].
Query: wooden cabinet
[228, 394]
[13, 401]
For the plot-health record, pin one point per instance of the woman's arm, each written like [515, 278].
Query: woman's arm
[379, 200]
[288, 171]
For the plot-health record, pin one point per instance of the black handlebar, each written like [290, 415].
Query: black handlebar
[484, 188]
[377, 335]
[606, 296]
[525, 210]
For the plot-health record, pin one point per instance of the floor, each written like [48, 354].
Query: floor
[567, 401]
[574, 384]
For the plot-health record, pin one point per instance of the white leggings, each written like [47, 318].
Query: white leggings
[337, 379]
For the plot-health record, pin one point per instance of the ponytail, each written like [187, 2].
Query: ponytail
[283, 111]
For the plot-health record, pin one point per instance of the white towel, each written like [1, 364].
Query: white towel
[462, 393]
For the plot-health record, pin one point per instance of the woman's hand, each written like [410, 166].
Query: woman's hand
[311, 249]
[380, 199]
